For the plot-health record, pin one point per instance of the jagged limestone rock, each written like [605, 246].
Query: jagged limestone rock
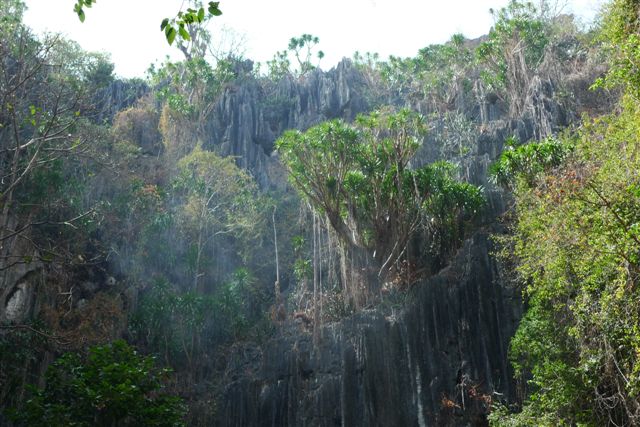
[16, 305]
[388, 367]
[250, 115]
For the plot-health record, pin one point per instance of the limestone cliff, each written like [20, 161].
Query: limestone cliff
[438, 361]
[251, 115]
[441, 358]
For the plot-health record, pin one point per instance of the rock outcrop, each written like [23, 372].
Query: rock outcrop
[438, 361]
[19, 279]
[251, 115]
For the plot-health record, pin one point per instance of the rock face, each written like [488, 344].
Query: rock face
[438, 361]
[250, 115]
[18, 281]
[117, 96]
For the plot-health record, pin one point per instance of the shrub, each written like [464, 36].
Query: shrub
[112, 386]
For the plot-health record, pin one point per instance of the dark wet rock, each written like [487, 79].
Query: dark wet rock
[389, 366]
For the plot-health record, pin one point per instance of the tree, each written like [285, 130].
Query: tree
[302, 49]
[220, 199]
[621, 41]
[576, 246]
[112, 386]
[174, 323]
[42, 93]
[177, 26]
[437, 74]
[514, 49]
[359, 177]
[528, 162]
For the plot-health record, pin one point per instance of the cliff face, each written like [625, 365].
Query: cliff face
[440, 360]
[117, 96]
[18, 282]
[250, 116]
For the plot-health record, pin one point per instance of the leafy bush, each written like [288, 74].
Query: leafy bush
[435, 74]
[528, 162]
[514, 49]
[577, 242]
[621, 41]
[112, 386]
[181, 326]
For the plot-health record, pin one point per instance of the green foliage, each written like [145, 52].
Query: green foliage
[502, 416]
[518, 28]
[368, 60]
[458, 136]
[513, 52]
[78, 8]
[435, 74]
[193, 85]
[619, 34]
[11, 13]
[218, 195]
[20, 353]
[445, 198]
[528, 162]
[279, 66]
[100, 72]
[178, 25]
[43, 140]
[359, 177]
[180, 326]
[577, 242]
[302, 49]
[170, 27]
[112, 385]
[90, 70]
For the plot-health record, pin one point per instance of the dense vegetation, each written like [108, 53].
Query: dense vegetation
[112, 386]
[115, 214]
[576, 241]
[358, 177]
[131, 223]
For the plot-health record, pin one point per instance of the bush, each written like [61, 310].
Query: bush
[112, 386]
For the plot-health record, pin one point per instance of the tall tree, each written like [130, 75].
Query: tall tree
[514, 49]
[41, 96]
[359, 177]
[219, 200]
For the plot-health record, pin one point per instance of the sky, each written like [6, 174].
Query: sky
[129, 30]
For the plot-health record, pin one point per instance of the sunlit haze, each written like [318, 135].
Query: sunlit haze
[130, 30]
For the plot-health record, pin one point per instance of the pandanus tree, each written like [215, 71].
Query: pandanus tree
[359, 177]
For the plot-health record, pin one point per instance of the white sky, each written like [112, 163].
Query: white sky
[130, 29]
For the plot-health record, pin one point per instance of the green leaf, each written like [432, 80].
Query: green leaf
[165, 22]
[183, 33]
[188, 18]
[214, 9]
[170, 33]
[201, 14]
